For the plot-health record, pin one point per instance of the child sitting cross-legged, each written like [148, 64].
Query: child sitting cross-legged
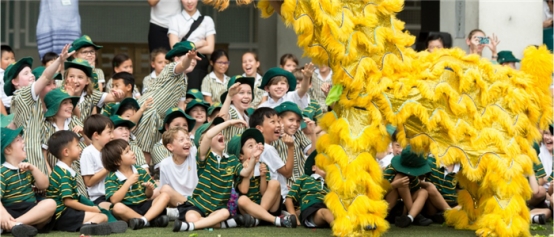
[75, 212]
[19, 208]
[128, 188]
[217, 175]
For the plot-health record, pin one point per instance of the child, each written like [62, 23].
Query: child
[321, 83]
[442, 189]
[215, 83]
[314, 106]
[174, 118]
[280, 86]
[289, 62]
[267, 121]
[158, 62]
[172, 86]
[27, 105]
[128, 108]
[197, 109]
[85, 49]
[122, 63]
[403, 174]
[213, 111]
[236, 103]
[309, 193]
[507, 59]
[99, 129]
[217, 174]
[395, 147]
[251, 68]
[538, 215]
[59, 116]
[122, 130]
[291, 120]
[260, 197]
[75, 212]
[19, 209]
[128, 188]
[7, 58]
[46, 61]
[124, 82]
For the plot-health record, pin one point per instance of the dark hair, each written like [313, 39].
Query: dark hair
[111, 154]
[96, 123]
[471, 33]
[126, 107]
[59, 141]
[50, 56]
[155, 53]
[259, 71]
[216, 55]
[432, 37]
[288, 56]
[259, 115]
[118, 59]
[127, 78]
[394, 136]
[298, 74]
[6, 48]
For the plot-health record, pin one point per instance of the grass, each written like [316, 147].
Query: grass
[270, 231]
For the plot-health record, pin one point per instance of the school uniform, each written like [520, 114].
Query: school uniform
[166, 91]
[301, 146]
[6, 100]
[315, 108]
[147, 80]
[88, 102]
[254, 193]
[16, 192]
[291, 96]
[309, 192]
[213, 87]
[135, 198]
[100, 78]
[273, 160]
[315, 91]
[445, 182]
[216, 176]
[159, 153]
[182, 178]
[91, 163]
[546, 160]
[141, 160]
[231, 131]
[390, 173]
[258, 93]
[109, 85]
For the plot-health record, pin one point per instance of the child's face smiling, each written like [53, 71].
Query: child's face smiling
[218, 142]
[121, 132]
[289, 65]
[243, 98]
[290, 122]
[127, 114]
[181, 144]
[250, 65]
[78, 78]
[74, 150]
[24, 78]
[271, 129]
[125, 66]
[198, 113]
[177, 122]
[547, 140]
[106, 135]
[221, 65]
[190, 5]
[87, 53]
[66, 109]
[119, 85]
[7, 59]
[128, 157]
[278, 90]
[17, 149]
[249, 149]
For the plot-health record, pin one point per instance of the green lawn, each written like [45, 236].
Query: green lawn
[433, 230]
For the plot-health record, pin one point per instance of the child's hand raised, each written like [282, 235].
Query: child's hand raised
[310, 126]
[308, 71]
[238, 123]
[132, 179]
[287, 139]
[147, 104]
[117, 94]
[26, 166]
[233, 90]
[326, 87]
[149, 185]
[65, 53]
[69, 87]
[259, 151]
[77, 129]
[191, 55]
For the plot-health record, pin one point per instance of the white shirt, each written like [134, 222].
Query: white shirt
[547, 14]
[454, 170]
[180, 24]
[271, 158]
[91, 163]
[66, 167]
[258, 81]
[161, 13]
[318, 75]
[291, 96]
[182, 178]
[546, 159]
[385, 161]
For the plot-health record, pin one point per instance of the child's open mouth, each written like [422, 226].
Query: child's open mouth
[220, 139]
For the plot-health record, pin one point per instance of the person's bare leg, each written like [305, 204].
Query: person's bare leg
[272, 196]
[158, 206]
[40, 214]
[105, 205]
[537, 197]
[175, 198]
[391, 197]
[248, 206]
[124, 212]
[95, 217]
[147, 157]
[323, 217]
[212, 221]
[436, 199]
[420, 196]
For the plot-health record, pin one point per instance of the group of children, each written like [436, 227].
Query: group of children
[238, 152]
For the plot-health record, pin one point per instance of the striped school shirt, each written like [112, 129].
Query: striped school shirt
[28, 112]
[88, 102]
[16, 186]
[216, 176]
[62, 185]
[315, 91]
[136, 193]
[316, 108]
[258, 93]
[213, 87]
[390, 173]
[308, 190]
[254, 192]
[301, 145]
[444, 181]
[230, 131]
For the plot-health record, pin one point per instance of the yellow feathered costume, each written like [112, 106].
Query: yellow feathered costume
[458, 107]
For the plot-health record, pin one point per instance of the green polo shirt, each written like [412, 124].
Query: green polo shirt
[215, 181]
[390, 173]
[136, 193]
[16, 185]
[62, 185]
[254, 192]
[308, 190]
[539, 170]
[446, 184]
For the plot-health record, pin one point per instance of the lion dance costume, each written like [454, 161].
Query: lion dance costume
[460, 108]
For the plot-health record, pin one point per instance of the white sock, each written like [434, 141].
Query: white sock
[277, 221]
[535, 218]
[187, 226]
[146, 223]
[411, 218]
[257, 222]
[229, 223]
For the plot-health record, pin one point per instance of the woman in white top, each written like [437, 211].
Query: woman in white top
[160, 12]
[203, 37]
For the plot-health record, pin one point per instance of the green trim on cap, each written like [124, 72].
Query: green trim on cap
[213, 107]
[196, 102]
[202, 129]
[195, 94]
[182, 48]
[11, 72]
[277, 71]
[8, 135]
[119, 121]
[54, 99]
[83, 41]
[237, 142]
[80, 64]
[173, 113]
[410, 163]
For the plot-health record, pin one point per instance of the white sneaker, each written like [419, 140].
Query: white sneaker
[172, 213]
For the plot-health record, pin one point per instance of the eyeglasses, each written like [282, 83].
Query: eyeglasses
[91, 52]
[223, 63]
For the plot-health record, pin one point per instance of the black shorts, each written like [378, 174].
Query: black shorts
[99, 200]
[452, 204]
[186, 207]
[19, 209]
[309, 212]
[141, 208]
[71, 220]
[282, 207]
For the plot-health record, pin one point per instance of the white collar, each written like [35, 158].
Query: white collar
[188, 17]
[65, 166]
[316, 71]
[455, 170]
[316, 176]
[153, 75]
[10, 166]
[241, 115]
[82, 98]
[219, 157]
[122, 177]
[65, 125]
[214, 77]
[132, 137]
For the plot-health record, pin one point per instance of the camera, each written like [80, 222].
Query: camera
[483, 40]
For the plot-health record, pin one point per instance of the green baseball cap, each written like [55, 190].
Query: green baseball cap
[83, 41]
[114, 109]
[58, 76]
[410, 163]
[240, 79]
[214, 107]
[8, 135]
[180, 49]
[235, 145]
[507, 57]
[11, 72]
[175, 112]
[310, 161]
[5, 120]
[195, 94]
[38, 71]
[80, 64]
[202, 129]
[277, 71]
[196, 102]
[390, 129]
[250, 111]
[54, 99]
[119, 121]
[292, 107]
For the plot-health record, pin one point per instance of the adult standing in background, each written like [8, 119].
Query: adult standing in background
[548, 8]
[160, 12]
[59, 23]
[191, 26]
